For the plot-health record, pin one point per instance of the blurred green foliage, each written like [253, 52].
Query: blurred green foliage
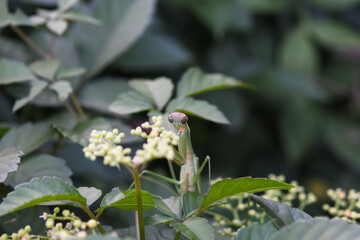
[302, 119]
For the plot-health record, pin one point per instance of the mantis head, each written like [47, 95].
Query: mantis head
[178, 120]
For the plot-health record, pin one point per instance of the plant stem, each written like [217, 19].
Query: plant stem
[78, 106]
[87, 210]
[29, 41]
[177, 236]
[52, 45]
[71, 111]
[140, 217]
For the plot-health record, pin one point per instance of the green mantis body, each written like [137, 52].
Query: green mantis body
[189, 173]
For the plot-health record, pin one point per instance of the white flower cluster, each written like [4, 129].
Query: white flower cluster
[159, 144]
[105, 144]
[346, 205]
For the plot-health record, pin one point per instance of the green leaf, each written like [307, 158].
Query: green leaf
[308, 121]
[152, 52]
[191, 201]
[81, 133]
[256, 232]
[126, 200]
[6, 18]
[199, 108]
[319, 228]
[9, 159]
[36, 88]
[12, 222]
[27, 136]
[283, 213]
[78, 17]
[45, 68]
[130, 102]
[14, 72]
[297, 53]
[327, 32]
[231, 187]
[39, 165]
[38, 191]
[93, 97]
[158, 90]
[70, 73]
[335, 4]
[195, 228]
[101, 45]
[157, 219]
[90, 193]
[194, 81]
[57, 26]
[343, 137]
[170, 207]
[101, 237]
[62, 88]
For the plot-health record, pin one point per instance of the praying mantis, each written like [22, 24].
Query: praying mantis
[190, 172]
[185, 157]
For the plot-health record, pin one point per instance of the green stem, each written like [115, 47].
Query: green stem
[177, 236]
[140, 217]
[78, 106]
[71, 111]
[87, 210]
[29, 41]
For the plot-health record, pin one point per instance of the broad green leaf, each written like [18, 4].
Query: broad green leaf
[231, 187]
[152, 52]
[308, 121]
[194, 81]
[130, 102]
[45, 68]
[266, 6]
[126, 200]
[36, 88]
[38, 191]
[191, 201]
[39, 165]
[27, 136]
[78, 17]
[81, 133]
[93, 97]
[195, 228]
[158, 90]
[199, 108]
[157, 219]
[57, 26]
[7, 18]
[62, 88]
[90, 193]
[327, 32]
[12, 222]
[67, 73]
[101, 45]
[101, 237]
[335, 4]
[318, 228]
[9, 160]
[297, 52]
[256, 231]
[170, 207]
[283, 213]
[343, 137]
[14, 72]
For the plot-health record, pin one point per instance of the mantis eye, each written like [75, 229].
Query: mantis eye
[184, 119]
[171, 119]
